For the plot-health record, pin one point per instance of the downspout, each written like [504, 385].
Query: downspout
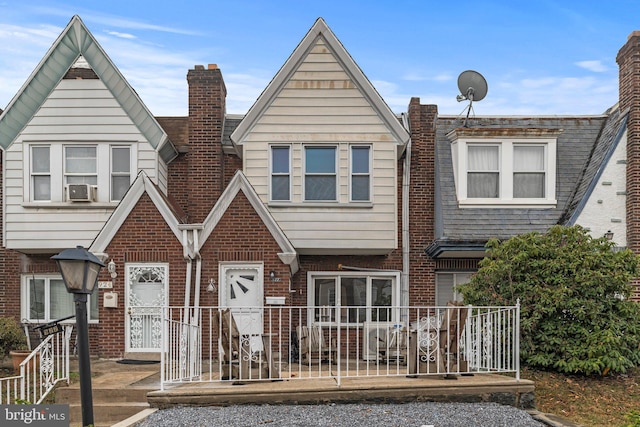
[406, 244]
[185, 253]
[196, 285]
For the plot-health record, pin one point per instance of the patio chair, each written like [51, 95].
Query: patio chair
[313, 346]
[392, 345]
[424, 346]
[237, 355]
[451, 330]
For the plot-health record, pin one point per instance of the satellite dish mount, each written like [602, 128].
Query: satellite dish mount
[473, 87]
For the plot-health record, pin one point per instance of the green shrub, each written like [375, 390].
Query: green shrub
[573, 289]
[12, 336]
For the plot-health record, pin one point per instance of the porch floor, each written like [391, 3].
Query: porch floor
[305, 387]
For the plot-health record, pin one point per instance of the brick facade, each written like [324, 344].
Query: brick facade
[629, 80]
[143, 238]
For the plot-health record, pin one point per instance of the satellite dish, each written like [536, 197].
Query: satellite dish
[473, 87]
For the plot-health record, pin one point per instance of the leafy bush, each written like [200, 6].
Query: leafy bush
[573, 289]
[12, 336]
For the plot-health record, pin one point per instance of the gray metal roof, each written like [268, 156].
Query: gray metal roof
[574, 149]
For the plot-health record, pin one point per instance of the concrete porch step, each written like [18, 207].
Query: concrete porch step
[106, 414]
[71, 395]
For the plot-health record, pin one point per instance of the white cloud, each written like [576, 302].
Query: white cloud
[594, 66]
[121, 35]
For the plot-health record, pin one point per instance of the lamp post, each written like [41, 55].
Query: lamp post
[80, 270]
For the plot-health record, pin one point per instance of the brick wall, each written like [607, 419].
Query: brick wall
[144, 237]
[421, 199]
[207, 94]
[629, 80]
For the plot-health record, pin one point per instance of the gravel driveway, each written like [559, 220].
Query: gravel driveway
[416, 414]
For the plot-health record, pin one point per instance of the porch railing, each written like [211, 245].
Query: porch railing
[287, 343]
[46, 365]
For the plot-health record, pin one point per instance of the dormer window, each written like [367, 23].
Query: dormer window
[504, 167]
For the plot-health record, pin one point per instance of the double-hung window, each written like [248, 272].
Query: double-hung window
[52, 168]
[483, 176]
[45, 298]
[41, 173]
[446, 286]
[360, 173]
[120, 171]
[80, 165]
[281, 173]
[353, 297]
[529, 171]
[320, 178]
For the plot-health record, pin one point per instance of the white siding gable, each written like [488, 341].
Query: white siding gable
[76, 113]
[323, 104]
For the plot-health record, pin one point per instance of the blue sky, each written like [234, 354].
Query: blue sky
[538, 57]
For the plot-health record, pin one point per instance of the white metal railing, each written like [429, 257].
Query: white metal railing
[287, 343]
[45, 366]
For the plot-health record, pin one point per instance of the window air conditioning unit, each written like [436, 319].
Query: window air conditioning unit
[81, 193]
[379, 339]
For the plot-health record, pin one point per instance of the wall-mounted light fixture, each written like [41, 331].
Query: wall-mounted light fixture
[608, 235]
[273, 277]
[211, 287]
[111, 268]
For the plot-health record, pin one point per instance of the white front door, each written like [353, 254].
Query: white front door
[242, 291]
[146, 295]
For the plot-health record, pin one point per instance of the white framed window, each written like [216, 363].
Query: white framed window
[45, 298]
[529, 171]
[510, 170]
[483, 171]
[50, 168]
[353, 297]
[120, 171]
[281, 173]
[320, 178]
[80, 165]
[446, 286]
[360, 173]
[41, 173]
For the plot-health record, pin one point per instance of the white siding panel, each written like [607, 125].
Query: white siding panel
[320, 104]
[82, 111]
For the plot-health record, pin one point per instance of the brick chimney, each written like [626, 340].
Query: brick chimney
[422, 121]
[207, 94]
[628, 60]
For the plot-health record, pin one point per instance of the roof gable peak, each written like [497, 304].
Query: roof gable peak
[74, 42]
[320, 29]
